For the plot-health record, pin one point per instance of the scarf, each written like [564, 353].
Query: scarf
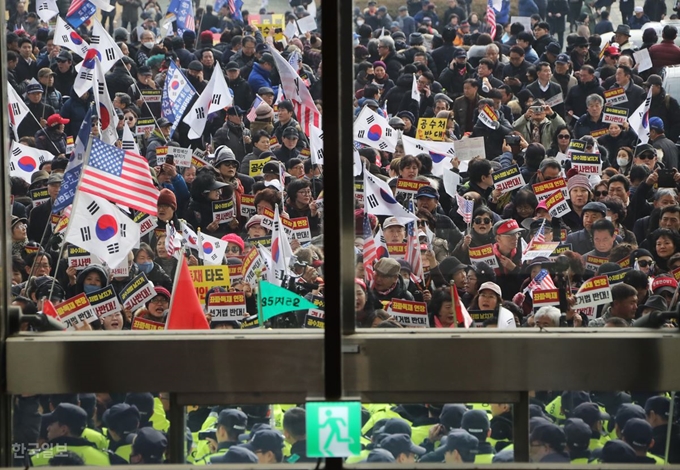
[438, 324]
[498, 254]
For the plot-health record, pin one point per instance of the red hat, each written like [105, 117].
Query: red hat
[56, 119]
[506, 227]
[162, 291]
[667, 282]
[206, 36]
[612, 51]
[360, 282]
[167, 198]
[235, 239]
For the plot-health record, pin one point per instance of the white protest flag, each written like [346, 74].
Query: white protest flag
[128, 140]
[281, 251]
[441, 152]
[378, 200]
[166, 26]
[46, 9]
[211, 249]
[358, 165]
[639, 120]
[25, 160]
[108, 51]
[221, 94]
[279, 96]
[316, 145]
[173, 241]
[17, 109]
[372, 129]
[506, 320]
[67, 37]
[296, 91]
[415, 93]
[266, 256]
[190, 237]
[216, 96]
[98, 226]
[108, 119]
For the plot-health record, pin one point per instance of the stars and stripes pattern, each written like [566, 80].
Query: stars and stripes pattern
[542, 281]
[539, 237]
[370, 253]
[465, 208]
[413, 256]
[120, 176]
[491, 19]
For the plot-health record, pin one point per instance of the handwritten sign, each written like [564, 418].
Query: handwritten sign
[431, 129]
[508, 179]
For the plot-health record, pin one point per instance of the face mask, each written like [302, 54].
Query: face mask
[360, 22]
[621, 161]
[145, 267]
[89, 288]
[149, 44]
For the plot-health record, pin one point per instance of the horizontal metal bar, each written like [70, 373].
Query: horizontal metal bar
[417, 366]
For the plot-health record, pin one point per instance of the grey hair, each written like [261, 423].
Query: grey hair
[492, 47]
[552, 313]
[661, 192]
[594, 97]
[387, 41]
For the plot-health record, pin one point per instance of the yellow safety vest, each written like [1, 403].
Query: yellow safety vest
[90, 456]
[358, 458]
[96, 438]
[484, 458]
[657, 460]
[158, 419]
[419, 433]
[580, 460]
[278, 411]
[124, 452]
[206, 460]
[377, 416]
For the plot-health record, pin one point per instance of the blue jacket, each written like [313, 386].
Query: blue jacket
[75, 109]
[179, 187]
[259, 77]
[503, 17]
[527, 8]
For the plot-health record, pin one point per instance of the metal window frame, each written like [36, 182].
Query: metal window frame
[406, 366]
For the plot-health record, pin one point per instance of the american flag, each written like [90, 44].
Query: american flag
[308, 115]
[235, 9]
[413, 256]
[539, 237]
[190, 23]
[542, 281]
[252, 115]
[119, 176]
[370, 253]
[491, 19]
[465, 208]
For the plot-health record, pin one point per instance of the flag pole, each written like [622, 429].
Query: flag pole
[452, 286]
[260, 313]
[174, 284]
[145, 102]
[42, 128]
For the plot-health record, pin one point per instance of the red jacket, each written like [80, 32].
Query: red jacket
[665, 53]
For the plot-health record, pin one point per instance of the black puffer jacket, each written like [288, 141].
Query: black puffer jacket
[399, 291]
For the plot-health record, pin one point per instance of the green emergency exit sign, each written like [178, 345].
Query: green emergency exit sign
[333, 429]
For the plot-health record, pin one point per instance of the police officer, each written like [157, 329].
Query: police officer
[295, 433]
[476, 422]
[591, 414]
[547, 444]
[267, 444]
[122, 421]
[617, 451]
[401, 448]
[461, 447]
[578, 435]
[92, 435]
[65, 425]
[639, 435]
[148, 447]
[238, 454]
[230, 424]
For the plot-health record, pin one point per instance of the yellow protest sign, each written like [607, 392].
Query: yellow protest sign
[431, 129]
[255, 166]
[205, 278]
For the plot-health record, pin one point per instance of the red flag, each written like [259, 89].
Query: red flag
[49, 310]
[185, 308]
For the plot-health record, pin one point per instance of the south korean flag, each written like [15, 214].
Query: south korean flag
[99, 227]
[371, 129]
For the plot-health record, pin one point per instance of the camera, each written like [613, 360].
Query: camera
[512, 140]
[666, 178]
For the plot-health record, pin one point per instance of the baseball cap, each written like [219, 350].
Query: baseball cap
[387, 267]
[572, 399]
[638, 432]
[232, 419]
[664, 284]
[64, 56]
[271, 168]
[656, 302]
[265, 440]
[450, 266]
[596, 207]
[395, 426]
[554, 48]
[549, 434]
[590, 413]
[427, 191]
[144, 403]
[235, 111]
[562, 59]
[45, 71]
[476, 422]
[69, 415]
[163, 122]
[492, 286]
[291, 133]
[237, 454]
[195, 66]
[144, 70]
[628, 411]
[254, 220]
[55, 178]
[460, 52]
[150, 443]
[400, 444]
[465, 443]
[452, 414]
[267, 58]
[656, 123]
[232, 66]
[642, 148]
[122, 417]
[617, 451]
[578, 434]
[654, 80]
[659, 405]
[265, 90]
[380, 455]
[506, 227]
[612, 51]
[391, 222]
[56, 119]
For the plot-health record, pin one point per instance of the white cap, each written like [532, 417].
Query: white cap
[638, 10]
[492, 286]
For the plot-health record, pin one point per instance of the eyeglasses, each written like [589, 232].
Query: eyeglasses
[160, 300]
[130, 118]
[233, 249]
[643, 263]
[482, 220]
[646, 156]
[422, 223]
[600, 193]
[563, 136]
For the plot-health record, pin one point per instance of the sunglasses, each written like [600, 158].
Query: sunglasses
[600, 193]
[484, 220]
[130, 118]
[646, 156]
[644, 263]
[564, 136]
[422, 223]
